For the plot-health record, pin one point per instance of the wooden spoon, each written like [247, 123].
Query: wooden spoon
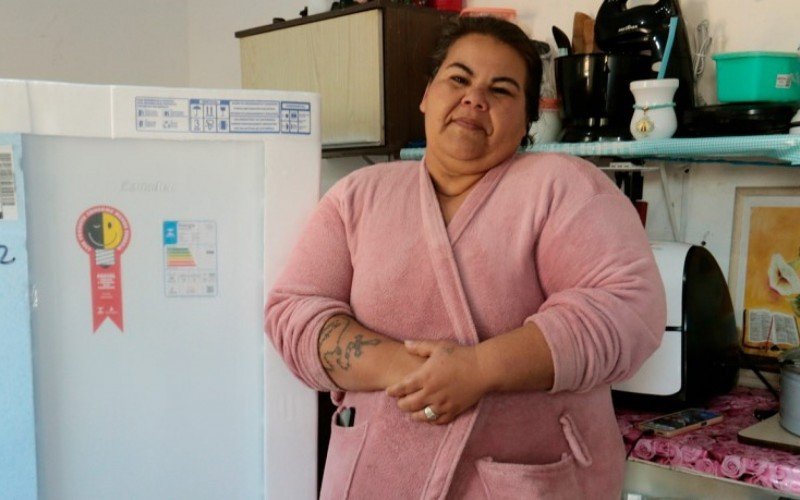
[578, 44]
[588, 35]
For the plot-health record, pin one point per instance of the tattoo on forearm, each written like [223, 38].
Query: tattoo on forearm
[339, 355]
[329, 327]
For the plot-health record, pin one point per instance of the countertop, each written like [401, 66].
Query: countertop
[715, 451]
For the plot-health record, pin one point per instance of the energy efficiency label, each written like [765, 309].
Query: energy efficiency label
[190, 258]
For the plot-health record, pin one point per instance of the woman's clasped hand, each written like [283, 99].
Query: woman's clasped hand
[449, 382]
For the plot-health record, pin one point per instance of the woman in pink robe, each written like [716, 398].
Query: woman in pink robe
[475, 307]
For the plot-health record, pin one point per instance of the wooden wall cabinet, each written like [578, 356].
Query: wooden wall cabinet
[369, 62]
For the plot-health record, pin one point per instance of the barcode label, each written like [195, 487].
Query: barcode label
[8, 188]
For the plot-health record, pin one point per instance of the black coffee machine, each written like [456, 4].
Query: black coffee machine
[595, 88]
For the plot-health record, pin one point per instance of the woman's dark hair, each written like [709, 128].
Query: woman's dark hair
[505, 32]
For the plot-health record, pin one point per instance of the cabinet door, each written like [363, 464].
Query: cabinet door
[340, 58]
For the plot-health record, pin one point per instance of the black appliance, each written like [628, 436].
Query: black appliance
[644, 29]
[739, 118]
[595, 94]
[595, 88]
[699, 354]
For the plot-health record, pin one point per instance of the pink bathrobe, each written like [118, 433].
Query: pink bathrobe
[544, 238]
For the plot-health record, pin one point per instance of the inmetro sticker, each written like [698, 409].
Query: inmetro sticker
[103, 233]
[190, 258]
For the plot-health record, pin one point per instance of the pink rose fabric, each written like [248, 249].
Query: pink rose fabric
[755, 466]
[644, 449]
[715, 450]
[706, 466]
[732, 466]
[688, 455]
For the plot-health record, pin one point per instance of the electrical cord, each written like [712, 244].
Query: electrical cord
[645, 433]
[702, 42]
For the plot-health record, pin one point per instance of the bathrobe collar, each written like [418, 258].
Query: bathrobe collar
[475, 198]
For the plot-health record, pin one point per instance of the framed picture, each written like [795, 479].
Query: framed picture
[764, 275]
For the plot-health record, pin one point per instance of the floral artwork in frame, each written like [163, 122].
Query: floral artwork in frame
[764, 271]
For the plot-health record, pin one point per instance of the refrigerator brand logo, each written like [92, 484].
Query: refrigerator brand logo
[103, 233]
[146, 187]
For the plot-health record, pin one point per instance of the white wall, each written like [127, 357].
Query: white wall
[213, 48]
[140, 42]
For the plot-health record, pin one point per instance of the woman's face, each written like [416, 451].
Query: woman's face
[475, 106]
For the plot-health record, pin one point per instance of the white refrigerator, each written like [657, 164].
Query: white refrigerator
[155, 220]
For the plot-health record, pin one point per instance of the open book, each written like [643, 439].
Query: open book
[769, 330]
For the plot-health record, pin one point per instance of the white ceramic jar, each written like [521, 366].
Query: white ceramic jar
[654, 110]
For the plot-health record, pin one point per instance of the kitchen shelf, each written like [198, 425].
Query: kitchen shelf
[751, 149]
[777, 150]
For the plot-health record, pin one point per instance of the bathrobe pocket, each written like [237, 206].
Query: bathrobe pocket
[343, 451]
[549, 481]
[503, 481]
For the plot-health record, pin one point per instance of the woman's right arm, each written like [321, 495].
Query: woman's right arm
[309, 319]
[358, 359]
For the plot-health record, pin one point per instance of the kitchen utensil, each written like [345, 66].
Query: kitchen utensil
[562, 41]
[588, 35]
[579, 33]
[578, 45]
[673, 27]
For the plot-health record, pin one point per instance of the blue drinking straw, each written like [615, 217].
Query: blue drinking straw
[673, 27]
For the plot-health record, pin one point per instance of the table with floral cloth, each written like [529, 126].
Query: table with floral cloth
[715, 450]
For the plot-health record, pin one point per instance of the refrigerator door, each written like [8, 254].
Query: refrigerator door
[17, 445]
[166, 401]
